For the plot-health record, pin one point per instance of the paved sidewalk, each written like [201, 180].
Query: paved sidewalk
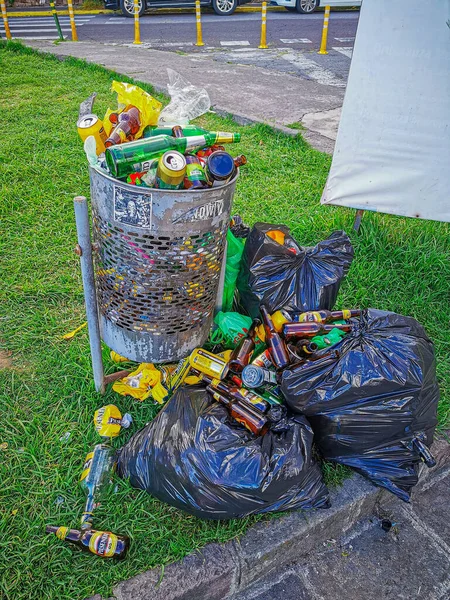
[249, 93]
[411, 560]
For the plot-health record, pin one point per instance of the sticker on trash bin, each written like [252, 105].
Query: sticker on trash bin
[207, 211]
[132, 209]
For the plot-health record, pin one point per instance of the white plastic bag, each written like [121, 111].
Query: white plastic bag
[186, 101]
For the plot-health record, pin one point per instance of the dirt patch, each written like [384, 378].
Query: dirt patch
[5, 359]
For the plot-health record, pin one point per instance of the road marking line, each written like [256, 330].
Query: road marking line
[235, 43]
[45, 19]
[37, 27]
[39, 37]
[313, 70]
[31, 33]
[296, 41]
[168, 44]
[349, 39]
[348, 52]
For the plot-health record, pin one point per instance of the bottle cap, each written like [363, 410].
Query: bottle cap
[127, 419]
[252, 376]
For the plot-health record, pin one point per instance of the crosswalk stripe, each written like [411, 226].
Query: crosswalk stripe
[349, 39]
[344, 50]
[45, 26]
[235, 43]
[15, 31]
[38, 37]
[312, 69]
[296, 41]
[48, 19]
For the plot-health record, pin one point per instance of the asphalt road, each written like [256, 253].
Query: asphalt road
[293, 39]
[177, 30]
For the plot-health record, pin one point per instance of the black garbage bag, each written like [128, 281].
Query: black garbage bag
[298, 280]
[374, 407]
[194, 457]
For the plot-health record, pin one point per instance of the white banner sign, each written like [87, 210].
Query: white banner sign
[392, 151]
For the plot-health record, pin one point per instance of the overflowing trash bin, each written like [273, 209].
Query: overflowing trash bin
[247, 389]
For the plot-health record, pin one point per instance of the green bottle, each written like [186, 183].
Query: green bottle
[97, 470]
[127, 158]
[188, 130]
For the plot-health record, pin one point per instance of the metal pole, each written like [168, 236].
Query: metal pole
[55, 16]
[263, 43]
[198, 18]
[72, 21]
[84, 251]
[358, 217]
[137, 31]
[323, 45]
[5, 20]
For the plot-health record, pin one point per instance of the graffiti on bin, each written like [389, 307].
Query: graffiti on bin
[210, 210]
[132, 209]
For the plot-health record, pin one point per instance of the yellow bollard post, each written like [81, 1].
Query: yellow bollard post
[326, 18]
[5, 20]
[72, 21]
[137, 31]
[198, 18]
[263, 43]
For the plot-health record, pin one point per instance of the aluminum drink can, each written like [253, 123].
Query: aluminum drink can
[171, 171]
[92, 125]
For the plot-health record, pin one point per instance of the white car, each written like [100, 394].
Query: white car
[308, 6]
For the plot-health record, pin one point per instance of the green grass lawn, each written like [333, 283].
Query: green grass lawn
[47, 393]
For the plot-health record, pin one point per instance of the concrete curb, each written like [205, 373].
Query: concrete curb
[221, 571]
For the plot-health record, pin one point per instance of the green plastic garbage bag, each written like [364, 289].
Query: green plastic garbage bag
[232, 327]
[235, 248]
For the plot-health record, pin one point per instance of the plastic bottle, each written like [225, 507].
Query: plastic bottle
[127, 124]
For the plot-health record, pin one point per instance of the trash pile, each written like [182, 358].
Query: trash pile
[282, 367]
[141, 145]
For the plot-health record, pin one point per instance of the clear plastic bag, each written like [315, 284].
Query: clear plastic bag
[187, 102]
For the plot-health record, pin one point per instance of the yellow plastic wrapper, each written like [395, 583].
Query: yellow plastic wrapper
[140, 382]
[115, 357]
[148, 381]
[128, 93]
[71, 334]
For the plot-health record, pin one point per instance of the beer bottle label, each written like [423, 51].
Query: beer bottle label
[103, 543]
[194, 172]
[62, 532]
[310, 317]
[86, 466]
[223, 137]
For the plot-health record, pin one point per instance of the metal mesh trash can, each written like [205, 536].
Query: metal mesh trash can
[158, 257]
